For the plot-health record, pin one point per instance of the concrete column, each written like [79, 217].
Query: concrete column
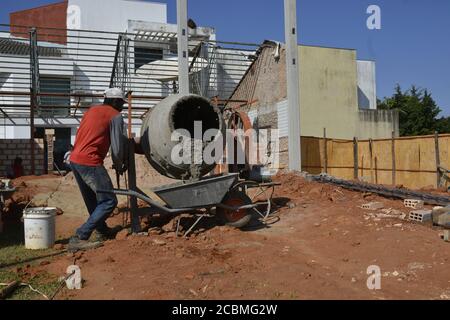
[50, 137]
[183, 51]
[292, 66]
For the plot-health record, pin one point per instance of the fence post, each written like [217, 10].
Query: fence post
[371, 160]
[394, 166]
[355, 158]
[325, 151]
[438, 160]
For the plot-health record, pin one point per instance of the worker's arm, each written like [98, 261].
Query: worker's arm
[119, 144]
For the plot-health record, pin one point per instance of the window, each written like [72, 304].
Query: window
[54, 106]
[146, 55]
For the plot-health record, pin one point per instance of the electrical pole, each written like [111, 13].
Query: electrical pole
[183, 50]
[293, 97]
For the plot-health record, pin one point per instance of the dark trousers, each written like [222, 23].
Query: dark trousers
[99, 205]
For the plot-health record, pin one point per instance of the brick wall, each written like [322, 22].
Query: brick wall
[48, 16]
[12, 148]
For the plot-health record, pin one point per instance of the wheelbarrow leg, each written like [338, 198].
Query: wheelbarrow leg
[195, 224]
[178, 225]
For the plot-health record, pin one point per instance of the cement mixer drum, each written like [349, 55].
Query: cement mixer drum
[174, 113]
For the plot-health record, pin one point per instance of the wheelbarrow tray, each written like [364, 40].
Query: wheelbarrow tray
[204, 193]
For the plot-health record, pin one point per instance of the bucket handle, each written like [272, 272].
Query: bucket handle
[26, 207]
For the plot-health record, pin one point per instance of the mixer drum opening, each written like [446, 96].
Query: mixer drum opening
[193, 109]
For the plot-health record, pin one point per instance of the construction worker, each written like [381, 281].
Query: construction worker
[92, 143]
[16, 169]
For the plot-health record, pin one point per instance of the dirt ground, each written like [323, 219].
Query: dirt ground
[318, 244]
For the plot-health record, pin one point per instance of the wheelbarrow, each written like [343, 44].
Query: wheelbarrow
[222, 192]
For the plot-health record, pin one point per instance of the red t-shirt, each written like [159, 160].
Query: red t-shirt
[93, 137]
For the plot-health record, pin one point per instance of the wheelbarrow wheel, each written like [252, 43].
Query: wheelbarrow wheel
[238, 218]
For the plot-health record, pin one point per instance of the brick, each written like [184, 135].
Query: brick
[373, 206]
[414, 204]
[420, 215]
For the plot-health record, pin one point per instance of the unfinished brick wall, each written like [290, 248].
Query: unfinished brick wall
[12, 148]
[265, 86]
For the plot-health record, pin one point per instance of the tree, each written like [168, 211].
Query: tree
[418, 112]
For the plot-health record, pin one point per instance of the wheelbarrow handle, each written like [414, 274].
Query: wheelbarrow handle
[151, 202]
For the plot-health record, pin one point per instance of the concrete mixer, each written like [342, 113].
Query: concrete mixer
[179, 113]
[199, 191]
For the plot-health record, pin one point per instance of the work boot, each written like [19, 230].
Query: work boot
[108, 234]
[76, 244]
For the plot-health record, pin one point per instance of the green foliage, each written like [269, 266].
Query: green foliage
[418, 112]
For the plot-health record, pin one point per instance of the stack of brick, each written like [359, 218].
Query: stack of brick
[10, 149]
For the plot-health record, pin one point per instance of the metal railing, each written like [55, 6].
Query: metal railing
[84, 63]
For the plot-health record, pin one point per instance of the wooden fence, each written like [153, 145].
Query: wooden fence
[414, 162]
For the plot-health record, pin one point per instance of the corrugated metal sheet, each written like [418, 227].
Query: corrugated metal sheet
[18, 48]
[283, 126]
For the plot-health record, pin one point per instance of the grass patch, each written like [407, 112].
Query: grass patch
[44, 282]
[12, 247]
[14, 254]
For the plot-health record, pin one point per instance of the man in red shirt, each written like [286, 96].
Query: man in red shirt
[92, 143]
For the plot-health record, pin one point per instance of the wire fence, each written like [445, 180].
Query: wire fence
[66, 71]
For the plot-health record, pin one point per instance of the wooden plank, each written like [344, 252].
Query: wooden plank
[438, 160]
[355, 158]
[325, 151]
[394, 166]
[371, 159]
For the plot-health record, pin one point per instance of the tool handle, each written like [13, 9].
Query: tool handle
[4, 293]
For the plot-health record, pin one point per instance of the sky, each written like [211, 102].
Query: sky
[411, 48]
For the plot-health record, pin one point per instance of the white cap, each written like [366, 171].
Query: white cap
[115, 93]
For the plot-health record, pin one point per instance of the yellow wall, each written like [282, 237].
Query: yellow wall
[328, 92]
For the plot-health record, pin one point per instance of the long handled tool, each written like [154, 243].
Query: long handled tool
[10, 288]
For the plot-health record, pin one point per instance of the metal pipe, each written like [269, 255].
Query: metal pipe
[383, 191]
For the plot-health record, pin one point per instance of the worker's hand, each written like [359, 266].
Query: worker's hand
[137, 146]
[120, 171]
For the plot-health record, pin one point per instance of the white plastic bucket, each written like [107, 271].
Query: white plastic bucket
[39, 226]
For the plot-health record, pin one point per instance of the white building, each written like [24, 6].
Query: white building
[82, 59]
